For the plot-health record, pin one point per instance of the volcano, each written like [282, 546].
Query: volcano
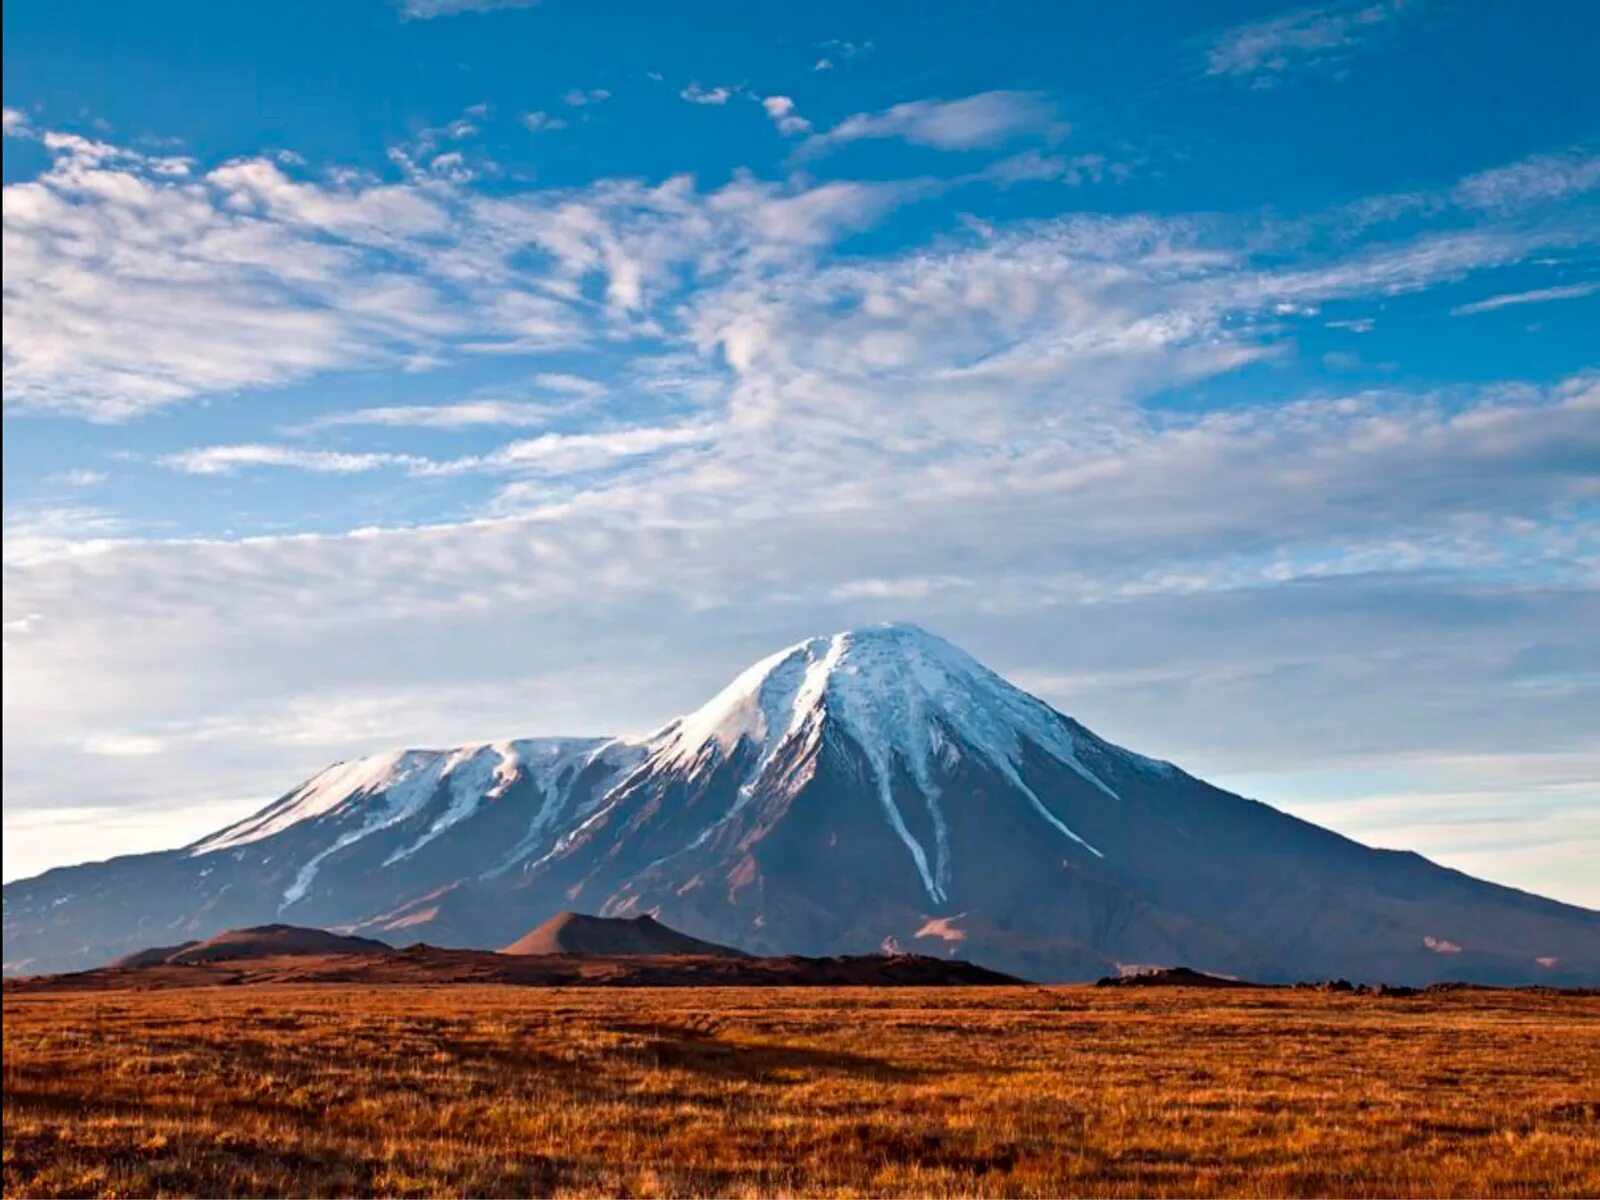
[872, 789]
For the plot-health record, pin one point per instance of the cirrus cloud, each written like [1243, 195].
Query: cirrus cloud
[1262, 51]
[971, 123]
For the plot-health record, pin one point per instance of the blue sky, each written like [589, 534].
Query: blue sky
[425, 371]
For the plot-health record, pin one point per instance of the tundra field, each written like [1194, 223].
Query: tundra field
[495, 1091]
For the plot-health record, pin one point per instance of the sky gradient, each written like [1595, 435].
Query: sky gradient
[425, 371]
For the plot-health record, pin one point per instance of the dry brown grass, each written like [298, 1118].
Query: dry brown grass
[1016, 1091]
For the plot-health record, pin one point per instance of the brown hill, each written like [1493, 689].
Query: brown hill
[1174, 977]
[263, 941]
[577, 933]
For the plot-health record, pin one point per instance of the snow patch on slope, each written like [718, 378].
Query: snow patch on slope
[322, 794]
[554, 770]
[385, 789]
[479, 774]
[475, 774]
[413, 779]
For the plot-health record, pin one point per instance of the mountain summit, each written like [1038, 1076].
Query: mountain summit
[877, 786]
[909, 703]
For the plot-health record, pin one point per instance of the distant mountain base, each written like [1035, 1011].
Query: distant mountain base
[568, 950]
[576, 950]
[1188, 977]
[433, 965]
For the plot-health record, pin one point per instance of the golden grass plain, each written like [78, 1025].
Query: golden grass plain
[502, 1091]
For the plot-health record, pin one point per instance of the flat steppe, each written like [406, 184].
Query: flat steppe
[489, 1090]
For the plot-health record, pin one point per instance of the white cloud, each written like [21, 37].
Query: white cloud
[567, 453]
[39, 534]
[1263, 50]
[127, 288]
[542, 122]
[81, 477]
[463, 415]
[433, 152]
[580, 97]
[1034, 166]
[1540, 179]
[452, 166]
[781, 110]
[1574, 291]
[546, 455]
[837, 51]
[246, 276]
[910, 589]
[226, 460]
[508, 404]
[16, 123]
[695, 94]
[423, 10]
[576, 385]
[123, 746]
[778, 221]
[986, 119]
[130, 287]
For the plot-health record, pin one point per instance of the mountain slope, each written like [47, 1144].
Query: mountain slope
[874, 786]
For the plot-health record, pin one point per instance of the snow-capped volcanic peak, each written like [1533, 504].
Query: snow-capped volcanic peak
[897, 690]
[870, 786]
